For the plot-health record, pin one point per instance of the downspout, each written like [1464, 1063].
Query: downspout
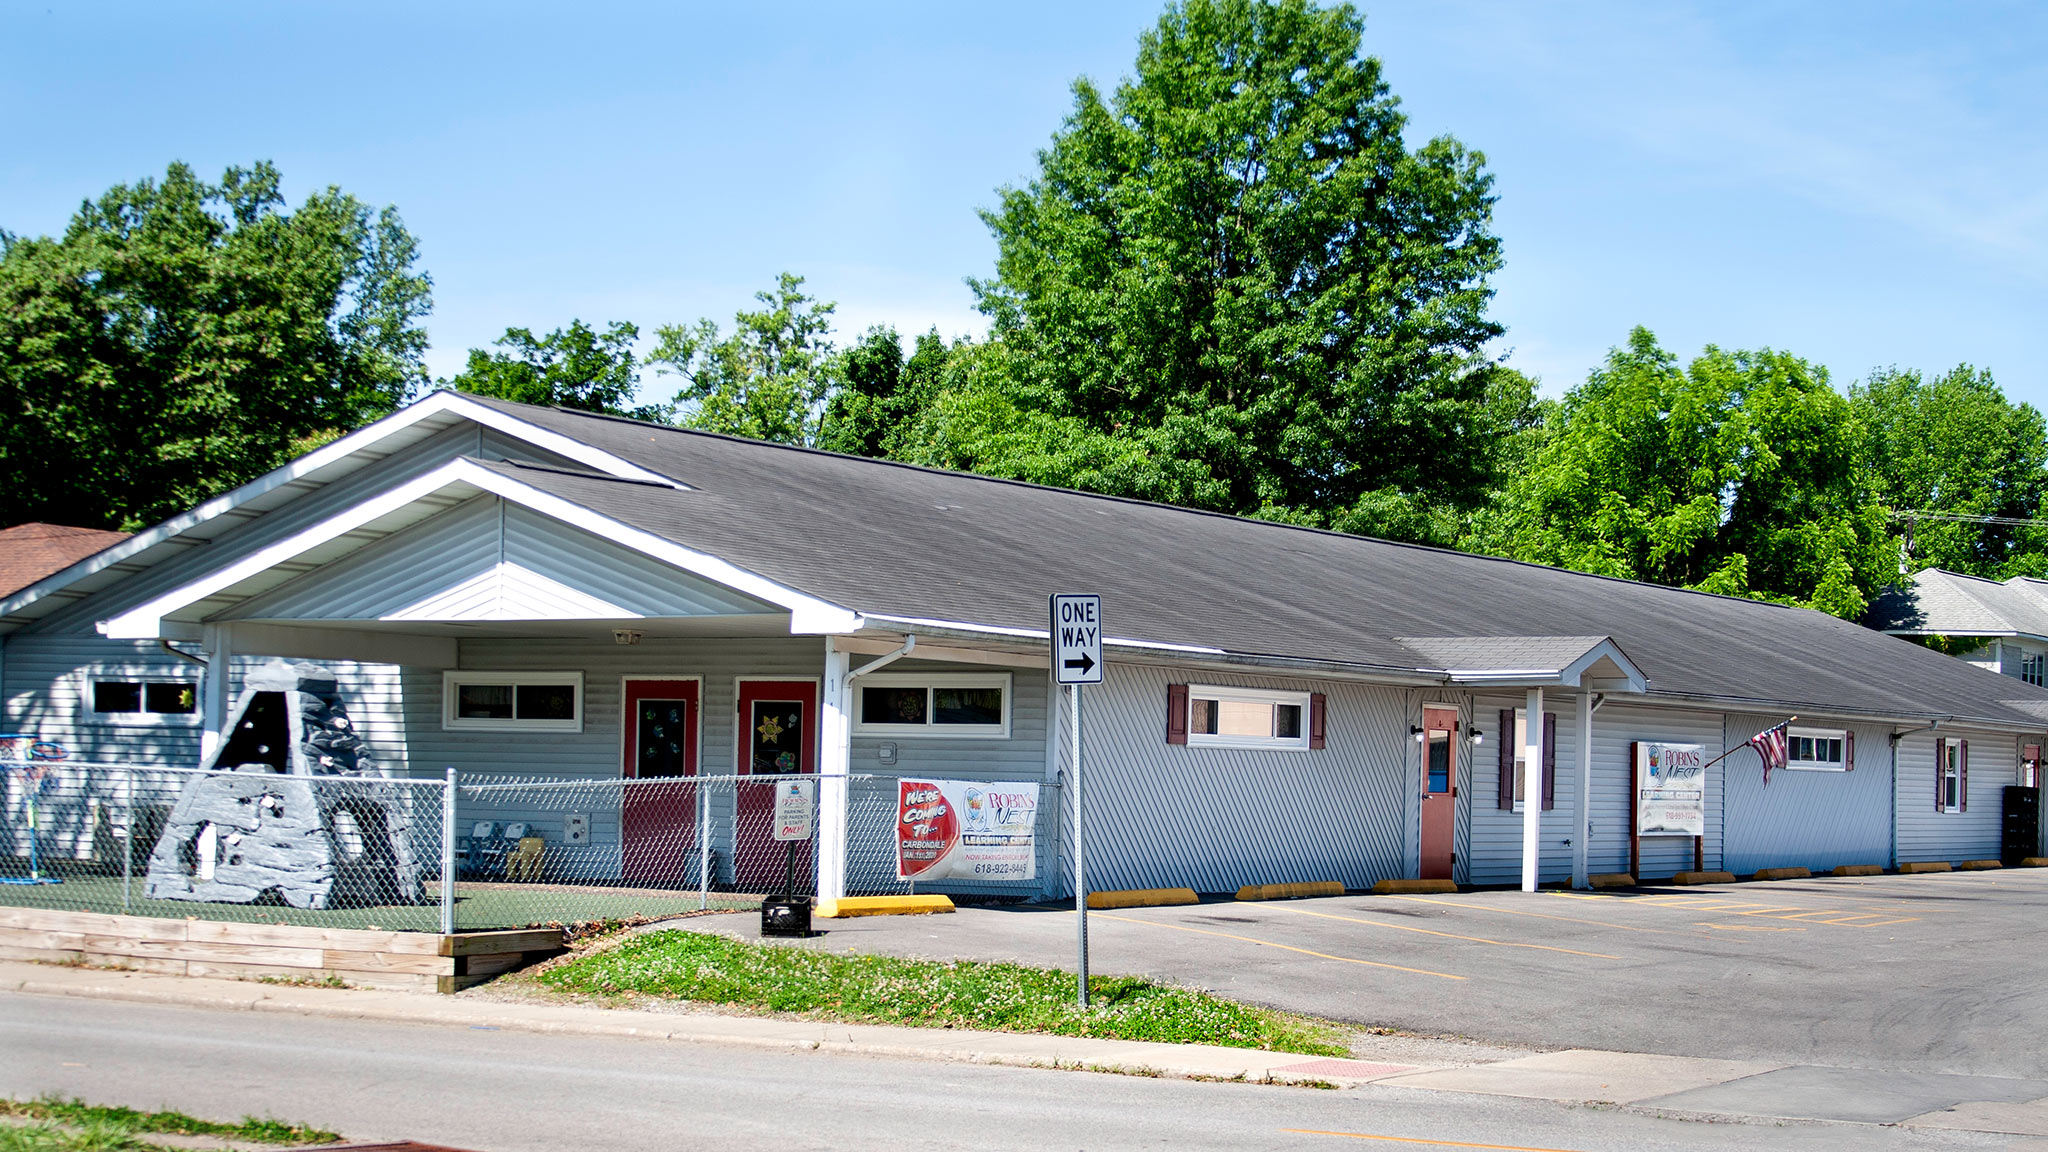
[909, 642]
[180, 653]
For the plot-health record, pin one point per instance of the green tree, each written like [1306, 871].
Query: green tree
[1955, 445]
[183, 337]
[768, 379]
[881, 397]
[1235, 269]
[1739, 474]
[573, 367]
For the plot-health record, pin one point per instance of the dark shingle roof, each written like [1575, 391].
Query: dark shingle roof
[891, 539]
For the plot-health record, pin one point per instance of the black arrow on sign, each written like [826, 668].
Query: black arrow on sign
[1086, 663]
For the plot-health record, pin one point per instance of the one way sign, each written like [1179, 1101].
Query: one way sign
[1077, 639]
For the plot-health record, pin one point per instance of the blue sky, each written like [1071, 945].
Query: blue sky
[1862, 184]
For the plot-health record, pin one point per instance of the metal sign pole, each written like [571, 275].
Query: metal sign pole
[1080, 868]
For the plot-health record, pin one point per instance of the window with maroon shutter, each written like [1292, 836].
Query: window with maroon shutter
[1230, 716]
[1940, 774]
[1176, 713]
[1849, 751]
[1507, 760]
[1549, 761]
[1316, 704]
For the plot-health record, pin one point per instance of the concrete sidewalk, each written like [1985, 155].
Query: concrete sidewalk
[1644, 1082]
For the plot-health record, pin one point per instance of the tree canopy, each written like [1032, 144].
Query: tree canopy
[183, 337]
[1954, 445]
[573, 367]
[1740, 473]
[769, 378]
[1233, 285]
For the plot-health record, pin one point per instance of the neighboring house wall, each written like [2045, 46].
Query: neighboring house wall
[1926, 833]
[1807, 819]
[1216, 819]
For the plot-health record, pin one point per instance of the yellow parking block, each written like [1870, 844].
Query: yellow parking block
[1979, 865]
[1290, 891]
[2035, 862]
[1142, 898]
[882, 906]
[1782, 874]
[1860, 870]
[1612, 880]
[1916, 867]
[1413, 887]
[1704, 878]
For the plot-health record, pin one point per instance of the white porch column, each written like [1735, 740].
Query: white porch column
[213, 690]
[1532, 789]
[1583, 831]
[835, 758]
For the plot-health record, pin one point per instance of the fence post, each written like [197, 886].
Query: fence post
[127, 833]
[448, 855]
[703, 849]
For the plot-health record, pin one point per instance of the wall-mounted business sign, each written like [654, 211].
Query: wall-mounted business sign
[1671, 789]
[966, 830]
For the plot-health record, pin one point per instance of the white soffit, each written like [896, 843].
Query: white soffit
[426, 496]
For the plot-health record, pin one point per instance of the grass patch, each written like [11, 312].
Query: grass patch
[713, 969]
[75, 1126]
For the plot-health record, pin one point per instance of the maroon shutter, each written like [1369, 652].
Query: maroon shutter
[1849, 751]
[1940, 774]
[1962, 775]
[1315, 719]
[1176, 713]
[1506, 789]
[1549, 761]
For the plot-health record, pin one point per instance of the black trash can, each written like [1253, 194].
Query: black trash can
[786, 916]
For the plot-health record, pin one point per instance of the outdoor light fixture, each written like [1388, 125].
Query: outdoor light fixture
[625, 636]
[1415, 730]
[1478, 737]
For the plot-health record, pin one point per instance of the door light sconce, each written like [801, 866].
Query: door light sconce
[625, 636]
[1416, 731]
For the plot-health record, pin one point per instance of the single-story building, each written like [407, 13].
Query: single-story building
[506, 589]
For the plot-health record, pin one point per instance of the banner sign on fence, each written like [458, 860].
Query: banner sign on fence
[1671, 789]
[796, 806]
[966, 830]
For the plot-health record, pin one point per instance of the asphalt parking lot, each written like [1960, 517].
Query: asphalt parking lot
[1938, 973]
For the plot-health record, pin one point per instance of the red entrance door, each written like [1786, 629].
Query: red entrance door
[658, 815]
[1439, 792]
[778, 736]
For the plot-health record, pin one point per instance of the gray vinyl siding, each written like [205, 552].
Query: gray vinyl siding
[1496, 836]
[1615, 727]
[1926, 833]
[1216, 819]
[871, 848]
[1816, 820]
[473, 538]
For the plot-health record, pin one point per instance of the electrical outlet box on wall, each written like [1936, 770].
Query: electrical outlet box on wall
[576, 828]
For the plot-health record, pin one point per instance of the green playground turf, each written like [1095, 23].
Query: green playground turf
[478, 907]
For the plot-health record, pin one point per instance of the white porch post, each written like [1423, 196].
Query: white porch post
[1532, 789]
[213, 690]
[835, 759]
[1583, 832]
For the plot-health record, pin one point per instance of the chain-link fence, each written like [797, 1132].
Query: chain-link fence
[436, 855]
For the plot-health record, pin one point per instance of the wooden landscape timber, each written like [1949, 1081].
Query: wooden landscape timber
[414, 961]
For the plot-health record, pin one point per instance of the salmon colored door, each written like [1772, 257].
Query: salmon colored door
[778, 736]
[658, 815]
[1439, 792]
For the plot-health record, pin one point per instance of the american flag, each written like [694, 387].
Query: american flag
[1771, 745]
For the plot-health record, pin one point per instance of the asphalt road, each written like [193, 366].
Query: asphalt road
[497, 1091]
[1937, 973]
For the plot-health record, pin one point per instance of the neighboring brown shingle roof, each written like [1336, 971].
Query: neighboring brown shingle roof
[29, 552]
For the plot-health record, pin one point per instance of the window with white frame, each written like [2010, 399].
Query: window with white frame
[955, 704]
[521, 701]
[2034, 669]
[1817, 749]
[1247, 717]
[1951, 775]
[1521, 754]
[118, 699]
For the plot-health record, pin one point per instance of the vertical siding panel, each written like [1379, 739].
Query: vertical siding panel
[1497, 832]
[1814, 820]
[1216, 819]
[1927, 834]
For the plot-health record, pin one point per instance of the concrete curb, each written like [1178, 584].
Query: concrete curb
[1182, 1061]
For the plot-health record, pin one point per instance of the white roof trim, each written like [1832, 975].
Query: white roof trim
[1041, 634]
[369, 436]
[808, 614]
